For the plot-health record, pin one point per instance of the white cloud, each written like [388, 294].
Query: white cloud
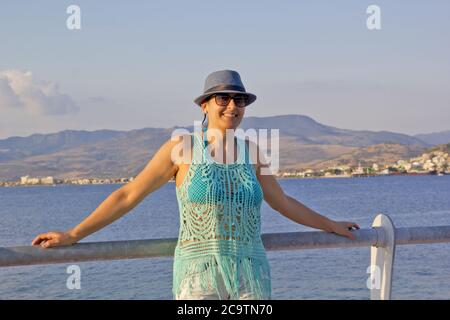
[19, 90]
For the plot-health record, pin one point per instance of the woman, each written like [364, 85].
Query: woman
[219, 254]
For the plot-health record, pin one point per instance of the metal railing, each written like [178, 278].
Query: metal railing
[381, 238]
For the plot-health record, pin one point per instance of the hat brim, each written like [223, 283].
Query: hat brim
[198, 101]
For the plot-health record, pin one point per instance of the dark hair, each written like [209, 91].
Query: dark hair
[204, 117]
[203, 122]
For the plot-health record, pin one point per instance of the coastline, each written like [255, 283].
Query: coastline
[122, 181]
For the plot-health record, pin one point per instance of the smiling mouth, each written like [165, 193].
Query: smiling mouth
[229, 115]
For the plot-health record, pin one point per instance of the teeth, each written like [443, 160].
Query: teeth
[229, 115]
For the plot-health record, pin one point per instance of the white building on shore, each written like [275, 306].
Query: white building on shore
[28, 180]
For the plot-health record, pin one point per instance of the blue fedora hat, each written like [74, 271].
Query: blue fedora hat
[223, 81]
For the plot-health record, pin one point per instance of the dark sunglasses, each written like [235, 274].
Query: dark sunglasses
[223, 99]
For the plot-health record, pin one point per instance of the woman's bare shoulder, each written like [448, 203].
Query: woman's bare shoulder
[180, 147]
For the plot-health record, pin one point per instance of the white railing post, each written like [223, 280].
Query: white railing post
[382, 259]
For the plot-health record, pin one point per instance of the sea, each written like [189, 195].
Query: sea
[421, 271]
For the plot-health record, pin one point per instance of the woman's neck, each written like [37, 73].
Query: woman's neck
[217, 140]
[216, 134]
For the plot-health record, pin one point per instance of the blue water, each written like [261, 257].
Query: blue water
[420, 271]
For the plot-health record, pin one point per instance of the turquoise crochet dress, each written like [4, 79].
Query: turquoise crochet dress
[220, 225]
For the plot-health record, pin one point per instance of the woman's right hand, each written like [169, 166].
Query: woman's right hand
[54, 239]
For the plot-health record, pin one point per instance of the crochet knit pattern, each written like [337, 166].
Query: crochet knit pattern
[220, 225]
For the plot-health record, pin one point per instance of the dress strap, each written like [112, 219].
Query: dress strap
[197, 150]
[246, 150]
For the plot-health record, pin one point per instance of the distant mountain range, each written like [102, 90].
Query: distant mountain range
[435, 138]
[304, 143]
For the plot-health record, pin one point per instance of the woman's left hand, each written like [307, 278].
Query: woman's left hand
[343, 228]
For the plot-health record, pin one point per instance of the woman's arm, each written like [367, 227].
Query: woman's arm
[293, 209]
[156, 173]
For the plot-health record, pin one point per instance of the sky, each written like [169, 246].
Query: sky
[140, 64]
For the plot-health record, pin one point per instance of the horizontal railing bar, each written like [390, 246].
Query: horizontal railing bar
[150, 248]
[319, 239]
[422, 235]
[109, 250]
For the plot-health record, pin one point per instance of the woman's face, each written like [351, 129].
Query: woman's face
[227, 117]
